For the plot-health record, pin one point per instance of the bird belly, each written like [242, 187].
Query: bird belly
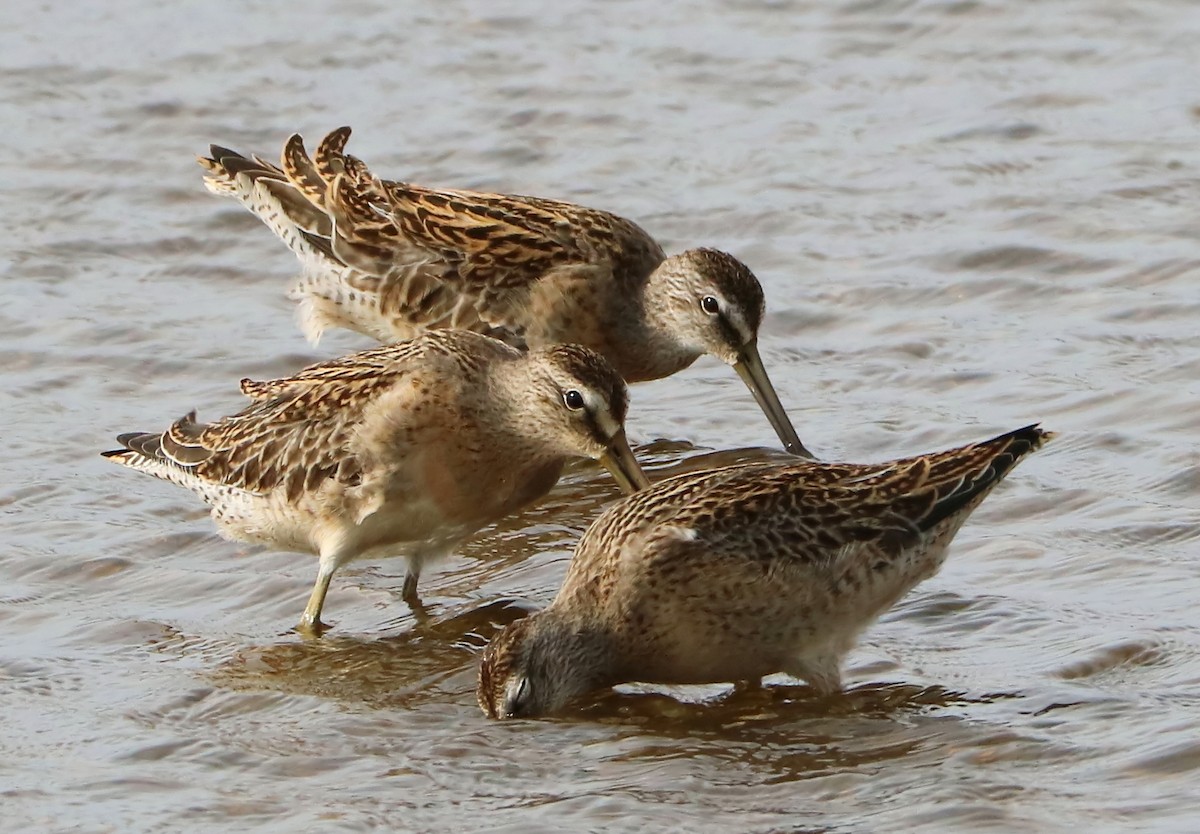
[261, 519]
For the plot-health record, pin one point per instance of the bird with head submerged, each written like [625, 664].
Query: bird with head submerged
[414, 445]
[732, 574]
[391, 259]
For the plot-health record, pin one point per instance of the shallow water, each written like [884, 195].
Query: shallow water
[967, 216]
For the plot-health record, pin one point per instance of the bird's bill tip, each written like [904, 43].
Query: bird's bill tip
[750, 368]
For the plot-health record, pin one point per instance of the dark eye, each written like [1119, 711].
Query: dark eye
[709, 305]
[519, 701]
[573, 400]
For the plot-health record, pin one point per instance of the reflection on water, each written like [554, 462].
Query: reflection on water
[966, 217]
[399, 670]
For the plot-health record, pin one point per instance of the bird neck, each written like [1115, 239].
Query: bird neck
[513, 410]
[661, 351]
[580, 654]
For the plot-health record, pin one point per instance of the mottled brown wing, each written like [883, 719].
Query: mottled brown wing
[294, 441]
[263, 389]
[302, 429]
[803, 513]
[345, 370]
[816, 508]
[486, 248]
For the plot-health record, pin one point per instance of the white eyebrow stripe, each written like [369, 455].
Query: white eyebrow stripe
[598, 408]
[606, 423]
[590, 399]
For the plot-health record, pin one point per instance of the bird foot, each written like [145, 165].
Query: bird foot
[310, 630]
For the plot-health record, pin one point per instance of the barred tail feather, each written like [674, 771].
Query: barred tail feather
[985, 465]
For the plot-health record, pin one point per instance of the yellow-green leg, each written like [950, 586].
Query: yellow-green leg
[416, 560]
[409, 592]
[310, 624]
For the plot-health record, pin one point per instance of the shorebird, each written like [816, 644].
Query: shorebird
[736, 573]
[416, 444]
[392, 259]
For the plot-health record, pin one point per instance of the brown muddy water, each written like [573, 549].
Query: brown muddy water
[967, 216]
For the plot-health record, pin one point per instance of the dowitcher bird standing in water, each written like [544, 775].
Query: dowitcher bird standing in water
[391, 259]
[737, 573]
[419, 444]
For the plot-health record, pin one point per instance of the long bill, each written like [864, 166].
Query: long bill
[619, 459]
[750, 368]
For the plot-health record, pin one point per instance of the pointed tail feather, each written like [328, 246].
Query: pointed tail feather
[290, 208]
[983, 466]
[180, 445]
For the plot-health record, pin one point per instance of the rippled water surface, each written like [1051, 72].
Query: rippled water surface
[967, 216]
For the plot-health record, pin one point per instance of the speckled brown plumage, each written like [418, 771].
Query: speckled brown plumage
[419, 444]
[392, 259]
[737, 573]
